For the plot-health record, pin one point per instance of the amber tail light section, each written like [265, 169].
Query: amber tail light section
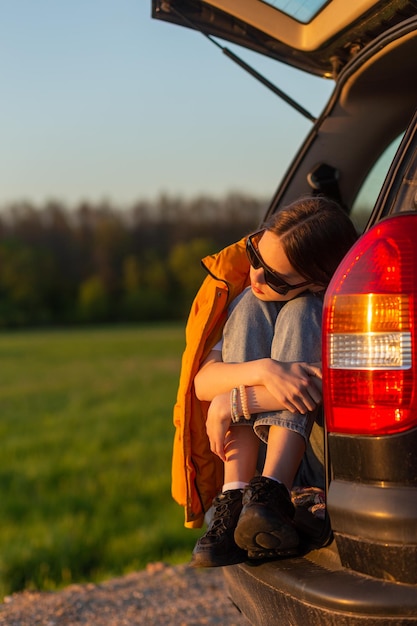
[369, 333]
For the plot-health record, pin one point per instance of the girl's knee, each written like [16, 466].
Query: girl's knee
[302, 310]
[297, 333]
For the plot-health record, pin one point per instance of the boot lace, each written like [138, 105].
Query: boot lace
[223, 514]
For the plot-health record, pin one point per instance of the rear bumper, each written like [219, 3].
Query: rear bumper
[316, 589]
[372, 503]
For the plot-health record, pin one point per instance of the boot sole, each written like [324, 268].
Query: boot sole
[238, 556]
[271, 554]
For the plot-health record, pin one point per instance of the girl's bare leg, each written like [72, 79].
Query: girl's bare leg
[265, 527]
[217, 547]
[241, 447]
[285, 451]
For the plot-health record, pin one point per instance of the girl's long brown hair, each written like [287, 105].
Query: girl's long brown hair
[316, 234]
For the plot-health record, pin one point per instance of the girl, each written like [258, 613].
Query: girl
[261, 388]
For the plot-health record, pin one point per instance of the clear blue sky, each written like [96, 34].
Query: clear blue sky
[99, 101]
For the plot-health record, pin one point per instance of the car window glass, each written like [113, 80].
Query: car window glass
[301, 10]
[370, 189]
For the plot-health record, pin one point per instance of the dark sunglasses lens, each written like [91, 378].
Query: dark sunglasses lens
[254, 260]
[273, 281]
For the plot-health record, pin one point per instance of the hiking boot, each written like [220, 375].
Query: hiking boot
[217, 546]
[265, 527]
[311, 518]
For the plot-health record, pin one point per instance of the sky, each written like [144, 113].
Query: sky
[102, 103]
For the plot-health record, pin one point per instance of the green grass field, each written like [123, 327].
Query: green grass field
[85, 463]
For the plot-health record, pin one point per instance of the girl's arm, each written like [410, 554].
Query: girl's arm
[219, 414]
[292, 386]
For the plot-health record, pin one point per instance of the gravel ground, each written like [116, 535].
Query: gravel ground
[160, 595]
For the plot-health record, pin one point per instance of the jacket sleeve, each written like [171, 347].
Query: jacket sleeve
[197, 473]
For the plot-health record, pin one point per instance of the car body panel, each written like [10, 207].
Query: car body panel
[363, 112]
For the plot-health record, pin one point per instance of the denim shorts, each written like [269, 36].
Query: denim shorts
[301, 424]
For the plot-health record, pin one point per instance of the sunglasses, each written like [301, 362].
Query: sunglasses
[272, 278]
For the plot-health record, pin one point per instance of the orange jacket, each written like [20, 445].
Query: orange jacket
[197, 473]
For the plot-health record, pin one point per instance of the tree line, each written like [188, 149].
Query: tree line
[96, 263]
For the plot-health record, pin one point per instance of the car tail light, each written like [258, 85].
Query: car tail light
[369, 333]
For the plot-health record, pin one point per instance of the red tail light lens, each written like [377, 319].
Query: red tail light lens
[369, 327]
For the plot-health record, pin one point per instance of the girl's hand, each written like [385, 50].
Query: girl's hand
[297, 386]
[218, 423]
